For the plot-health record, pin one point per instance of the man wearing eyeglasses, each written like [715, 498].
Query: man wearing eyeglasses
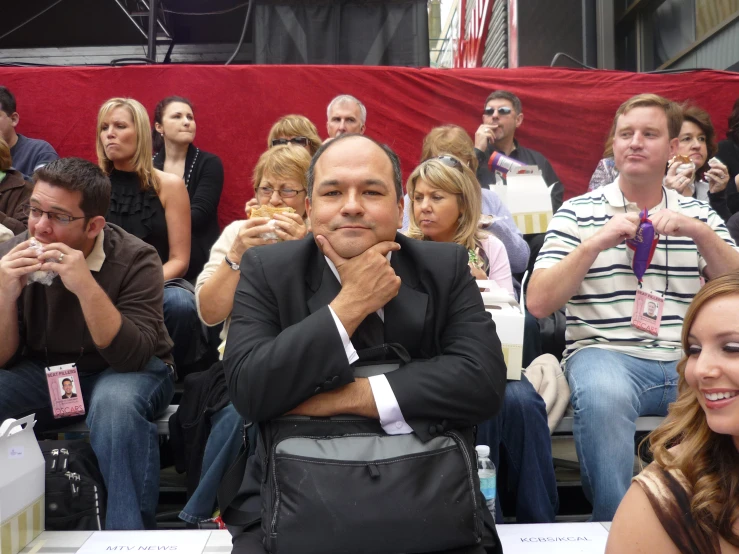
[101, 312]
[305, 312]
[502, 115]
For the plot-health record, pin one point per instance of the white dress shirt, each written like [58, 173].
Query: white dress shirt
[391, 418]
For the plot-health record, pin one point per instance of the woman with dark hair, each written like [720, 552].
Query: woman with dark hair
[687, 500]
[704, 177]
[728, 152]
[172, 137]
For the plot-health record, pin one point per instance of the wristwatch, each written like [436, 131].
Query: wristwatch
[232, 265]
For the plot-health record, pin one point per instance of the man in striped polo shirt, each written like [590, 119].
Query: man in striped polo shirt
[617, 372]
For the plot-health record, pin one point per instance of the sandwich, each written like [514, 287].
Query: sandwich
[270, 211]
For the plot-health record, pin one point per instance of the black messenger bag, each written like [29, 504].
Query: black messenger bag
[343, 485]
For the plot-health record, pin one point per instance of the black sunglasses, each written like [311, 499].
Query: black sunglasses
[503, 110]
[449, 161]
[302, 141]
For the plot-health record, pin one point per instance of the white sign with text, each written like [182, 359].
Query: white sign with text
[178, 542]
[556, 538]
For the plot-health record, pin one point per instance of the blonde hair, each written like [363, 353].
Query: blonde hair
[459, 181]
[283, 162]
[295, 126]
[6, 161]
[452, 139]
[673, 112]
[708, 460]
[142, 158]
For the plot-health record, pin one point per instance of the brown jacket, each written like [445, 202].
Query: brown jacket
[14, 192]
[52, 326]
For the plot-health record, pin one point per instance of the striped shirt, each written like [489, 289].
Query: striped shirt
[599, 314]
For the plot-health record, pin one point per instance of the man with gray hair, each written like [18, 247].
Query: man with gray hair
[345, 114]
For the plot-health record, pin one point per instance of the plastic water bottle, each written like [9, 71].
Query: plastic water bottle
[486, 473]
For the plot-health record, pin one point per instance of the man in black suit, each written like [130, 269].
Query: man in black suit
[299, 302]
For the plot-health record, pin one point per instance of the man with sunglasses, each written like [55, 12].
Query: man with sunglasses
[101, 313]
[501, 117]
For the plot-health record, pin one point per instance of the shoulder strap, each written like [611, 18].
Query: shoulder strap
[671, 503]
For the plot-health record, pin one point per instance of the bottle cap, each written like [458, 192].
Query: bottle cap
[483, 451]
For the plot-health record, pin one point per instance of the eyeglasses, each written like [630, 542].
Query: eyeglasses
[302, 141]
[449, 161]
[266, 192]
[61, 219]
[503, 110]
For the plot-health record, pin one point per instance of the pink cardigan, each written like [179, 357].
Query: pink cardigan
[500, 269]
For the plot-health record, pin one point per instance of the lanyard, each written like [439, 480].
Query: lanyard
[667, 248]
[45, 335]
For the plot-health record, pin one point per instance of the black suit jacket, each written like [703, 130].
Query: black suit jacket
[283, 346]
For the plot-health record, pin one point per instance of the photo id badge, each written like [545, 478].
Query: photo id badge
[647, 315]
[65, 391]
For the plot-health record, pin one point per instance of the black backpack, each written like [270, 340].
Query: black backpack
[75, 493]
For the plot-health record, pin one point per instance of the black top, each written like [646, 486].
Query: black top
[137, 211]
[528, 157]
[728, 153]
[204, 181]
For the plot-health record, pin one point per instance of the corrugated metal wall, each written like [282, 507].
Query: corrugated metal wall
[719, 52]
[496, 45]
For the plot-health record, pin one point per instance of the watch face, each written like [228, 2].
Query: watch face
[233, 265]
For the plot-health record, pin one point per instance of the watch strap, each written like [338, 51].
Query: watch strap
[232, 265]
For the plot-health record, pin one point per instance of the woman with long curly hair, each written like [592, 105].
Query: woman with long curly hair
[687, 500]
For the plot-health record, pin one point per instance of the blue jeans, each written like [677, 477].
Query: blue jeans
[609, 391]
[221, 449]
[184, 327]
[120, 409]
[520, 435]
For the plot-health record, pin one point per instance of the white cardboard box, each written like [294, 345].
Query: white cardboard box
[528, 199]
[509, 322]
[22, 484]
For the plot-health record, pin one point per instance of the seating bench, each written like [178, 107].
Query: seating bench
[648, 423]
[162, 423]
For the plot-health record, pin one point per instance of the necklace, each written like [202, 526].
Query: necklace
[192, 165]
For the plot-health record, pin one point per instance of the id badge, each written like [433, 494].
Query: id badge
[65, 391]
[647, 314]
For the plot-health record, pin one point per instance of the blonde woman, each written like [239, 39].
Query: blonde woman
[687, 500]
[454, 140]
[153, 206]
[297, 130]
[445, 207]
[279, 181]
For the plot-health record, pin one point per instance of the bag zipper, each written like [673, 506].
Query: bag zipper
[64, 459]
[54, 459]
[74, 478]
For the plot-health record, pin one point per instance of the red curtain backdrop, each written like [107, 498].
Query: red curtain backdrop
[567, 113]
